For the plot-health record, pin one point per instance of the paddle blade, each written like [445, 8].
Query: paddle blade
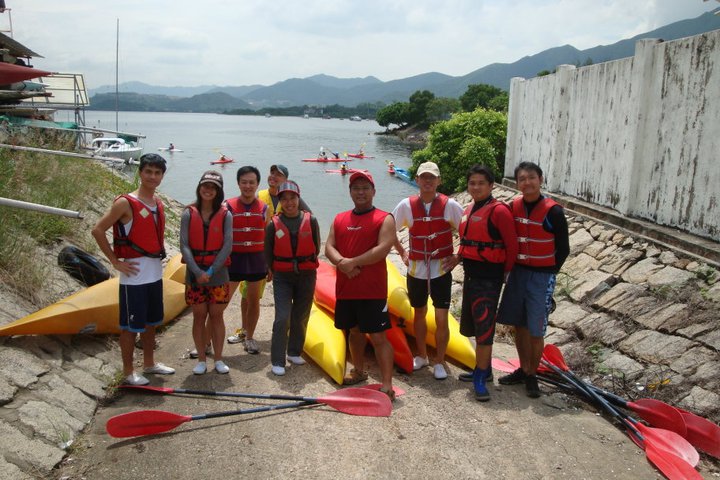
[144, 422]
[502, 365]
[552, 354]
[659, 414]
[670, 465]
[359, 401]
[148, 388]
[670, 442]
[702, 433]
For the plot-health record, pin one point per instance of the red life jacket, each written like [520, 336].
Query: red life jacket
[248, 225]
[430, 234]
[206, 247]
[305, 255]
[147, 235]
[355, 235]
[536, 246]
[476, 243]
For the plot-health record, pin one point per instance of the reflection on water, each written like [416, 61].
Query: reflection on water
[262, 142]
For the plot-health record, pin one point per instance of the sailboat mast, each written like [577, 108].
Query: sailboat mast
[117, 53]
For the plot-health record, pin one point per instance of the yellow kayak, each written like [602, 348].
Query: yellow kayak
[459, 347]
[92, 310]
[325, 344]
[175, 270]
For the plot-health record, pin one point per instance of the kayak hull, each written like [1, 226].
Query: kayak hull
[346, 172]
[325, 160]
[325, 344]
[459, 347]
[359, 155]
[92, 310]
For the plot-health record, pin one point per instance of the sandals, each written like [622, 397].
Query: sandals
[355, 377]
[390, 393]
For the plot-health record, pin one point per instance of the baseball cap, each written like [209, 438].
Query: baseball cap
[428, 167]
[359, 175]
[212, 176]
[289, 187]
[280, 168]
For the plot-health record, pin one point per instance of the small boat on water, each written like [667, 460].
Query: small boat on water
[359, 155]
[171, 150]
[404, 175]
[116, 147]
[326, 159]
[345, 171]
[222, 160]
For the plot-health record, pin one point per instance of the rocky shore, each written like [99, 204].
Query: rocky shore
[636, 317]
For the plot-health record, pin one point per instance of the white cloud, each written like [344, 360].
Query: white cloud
[224, 42]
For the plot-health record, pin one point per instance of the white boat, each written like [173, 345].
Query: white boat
[116, 147]
[355, 118]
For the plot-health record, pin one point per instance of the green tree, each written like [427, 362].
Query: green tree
[395, 113]
[479, 95]
[469, 138]
[442, 108]
[417, 111]
[499, 103]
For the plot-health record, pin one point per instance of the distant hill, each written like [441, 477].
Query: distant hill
[135, 102]
[327, 90]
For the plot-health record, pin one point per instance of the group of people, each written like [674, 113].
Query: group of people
[271, 235]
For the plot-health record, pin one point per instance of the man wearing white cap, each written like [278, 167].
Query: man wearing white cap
[430, 218]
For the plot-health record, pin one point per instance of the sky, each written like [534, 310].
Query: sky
[247, 42]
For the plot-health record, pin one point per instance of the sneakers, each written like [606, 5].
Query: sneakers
[159, 369]
[278, 370]
[200, 368]
[355, 377]
[531, 386]
[518, 376]
[439, 372]
[251, 346]
[194, 353]
[479, 378]
[220, 367]
[238, 337]
[296, 360]
[420, 362]
[468, 376]
[135, 379]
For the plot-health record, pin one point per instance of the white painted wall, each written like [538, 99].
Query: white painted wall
[640, 135]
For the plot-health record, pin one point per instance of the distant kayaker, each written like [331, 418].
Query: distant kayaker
[322, 154]
[138, 223]
[543, 246]
[430, 218]
[205, 244]
[292, 247]
[336, 155]
[171, 147]
[248, 268]
[358, 242]
[343, 168]
[488, 247]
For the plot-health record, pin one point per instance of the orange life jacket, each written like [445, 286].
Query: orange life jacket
[248, 225]
[305, 255]
[476, 243]
[205, 247]
[430, 234]
[536, 246]
[147, 235]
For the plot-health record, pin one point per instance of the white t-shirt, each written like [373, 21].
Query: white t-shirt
[150, 269]
[404, 219]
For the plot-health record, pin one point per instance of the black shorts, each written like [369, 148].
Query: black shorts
[141, 306]
[439, 291]
[479, 308]
[249, 277]
[370, 316]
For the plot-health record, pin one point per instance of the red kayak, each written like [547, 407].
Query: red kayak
[359, 155]
[222, 160]
[391, 171]
[325, 160]
[346, 171]
[11, 73]
[325, 297]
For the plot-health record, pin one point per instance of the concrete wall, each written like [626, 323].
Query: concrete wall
[640, 135]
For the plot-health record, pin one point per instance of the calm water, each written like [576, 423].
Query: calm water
[262, 142]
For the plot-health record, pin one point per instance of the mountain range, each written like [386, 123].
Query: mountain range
[327, 90]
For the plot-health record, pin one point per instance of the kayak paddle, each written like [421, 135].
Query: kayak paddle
[150, 422]
[353, 401]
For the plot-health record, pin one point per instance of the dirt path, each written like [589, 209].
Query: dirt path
[437, 429]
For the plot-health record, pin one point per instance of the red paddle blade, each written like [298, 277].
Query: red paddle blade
[147, 388]
[359, 401]
[377, 386]
[671, 466]
[702, 433]
[502, 365]
[553, 355]
[144, 422]
[670, 442]
[659, 414]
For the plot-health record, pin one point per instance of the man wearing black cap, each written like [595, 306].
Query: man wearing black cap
[357, 245]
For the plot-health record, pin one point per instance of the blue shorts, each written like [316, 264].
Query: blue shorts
[141, 306]
[527, 300]
[440, 288]
[370, 316]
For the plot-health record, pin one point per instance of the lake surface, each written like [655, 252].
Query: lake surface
[262, 142]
